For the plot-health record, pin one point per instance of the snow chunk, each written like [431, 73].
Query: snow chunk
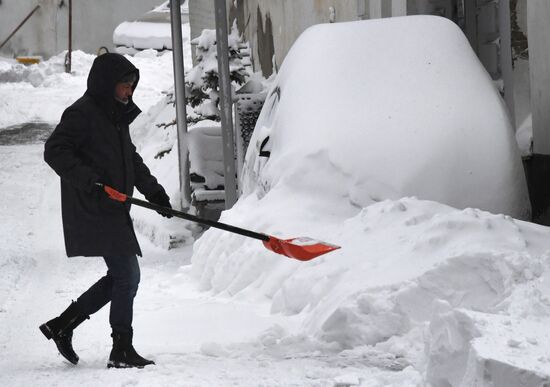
[483, 350]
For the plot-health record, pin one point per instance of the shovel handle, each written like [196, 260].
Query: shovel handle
[121, 197]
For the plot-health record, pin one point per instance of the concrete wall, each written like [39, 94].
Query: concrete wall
[202, 17]
[538, 15]
[520, 56]
[271, 27]
[45, 33]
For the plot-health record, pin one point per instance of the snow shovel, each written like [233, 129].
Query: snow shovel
[302, 249]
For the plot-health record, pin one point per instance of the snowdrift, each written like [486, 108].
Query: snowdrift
[348, 160]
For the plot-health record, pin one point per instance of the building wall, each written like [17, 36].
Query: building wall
[46, 32]
[282, 21]
[202, 17]
[538, 14]
[520, 57]
[271, 27]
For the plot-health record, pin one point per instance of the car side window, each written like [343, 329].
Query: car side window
[272, 104]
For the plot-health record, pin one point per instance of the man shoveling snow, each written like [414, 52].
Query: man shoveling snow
[92, 145]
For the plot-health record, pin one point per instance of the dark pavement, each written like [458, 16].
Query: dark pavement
[27, 133]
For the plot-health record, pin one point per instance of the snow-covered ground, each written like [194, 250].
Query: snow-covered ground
[197, 338]
[41, 92]
[420, 293]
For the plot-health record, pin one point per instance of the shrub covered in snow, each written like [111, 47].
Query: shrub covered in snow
[202, 81]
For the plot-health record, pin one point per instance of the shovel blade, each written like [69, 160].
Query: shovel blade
[302, 249]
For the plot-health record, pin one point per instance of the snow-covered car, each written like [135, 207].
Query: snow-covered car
[150, 31]
[361, 117]
[386, 109]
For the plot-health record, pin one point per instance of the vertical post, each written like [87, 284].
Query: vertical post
[226, 104]
[470, 23]
[375, 9]
[68, 58]
[386, 8]
[399, 8]
[181, 113]
[362, 11]
[505, 31]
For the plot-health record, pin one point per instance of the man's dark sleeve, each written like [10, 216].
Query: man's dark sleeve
[61, 151]
[146, 183]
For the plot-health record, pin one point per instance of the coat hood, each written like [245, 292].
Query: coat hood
[106, 71]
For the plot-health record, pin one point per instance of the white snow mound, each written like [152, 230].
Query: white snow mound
[399, 107]
[346, 158]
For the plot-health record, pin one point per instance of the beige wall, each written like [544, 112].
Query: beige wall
[282, 21]
[289, 18]
[538, 14]
[45, 33]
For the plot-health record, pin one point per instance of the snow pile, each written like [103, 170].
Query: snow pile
[41, 92]
[346, 156]
[400, 260]
[36, 74]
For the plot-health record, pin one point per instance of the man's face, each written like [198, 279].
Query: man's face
[123, 91]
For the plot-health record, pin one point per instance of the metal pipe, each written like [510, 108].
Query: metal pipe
[230, 180]
[19, 26]
[181, 113]
[68, 58]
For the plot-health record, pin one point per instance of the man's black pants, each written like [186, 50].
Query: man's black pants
[119, 287]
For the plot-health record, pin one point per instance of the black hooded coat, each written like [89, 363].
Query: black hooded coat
[92, 144]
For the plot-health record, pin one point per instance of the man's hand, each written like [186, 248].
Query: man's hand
[161, 198]
[97, 186]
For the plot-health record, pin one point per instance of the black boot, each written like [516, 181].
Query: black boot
[123, 354]
[60, 329]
